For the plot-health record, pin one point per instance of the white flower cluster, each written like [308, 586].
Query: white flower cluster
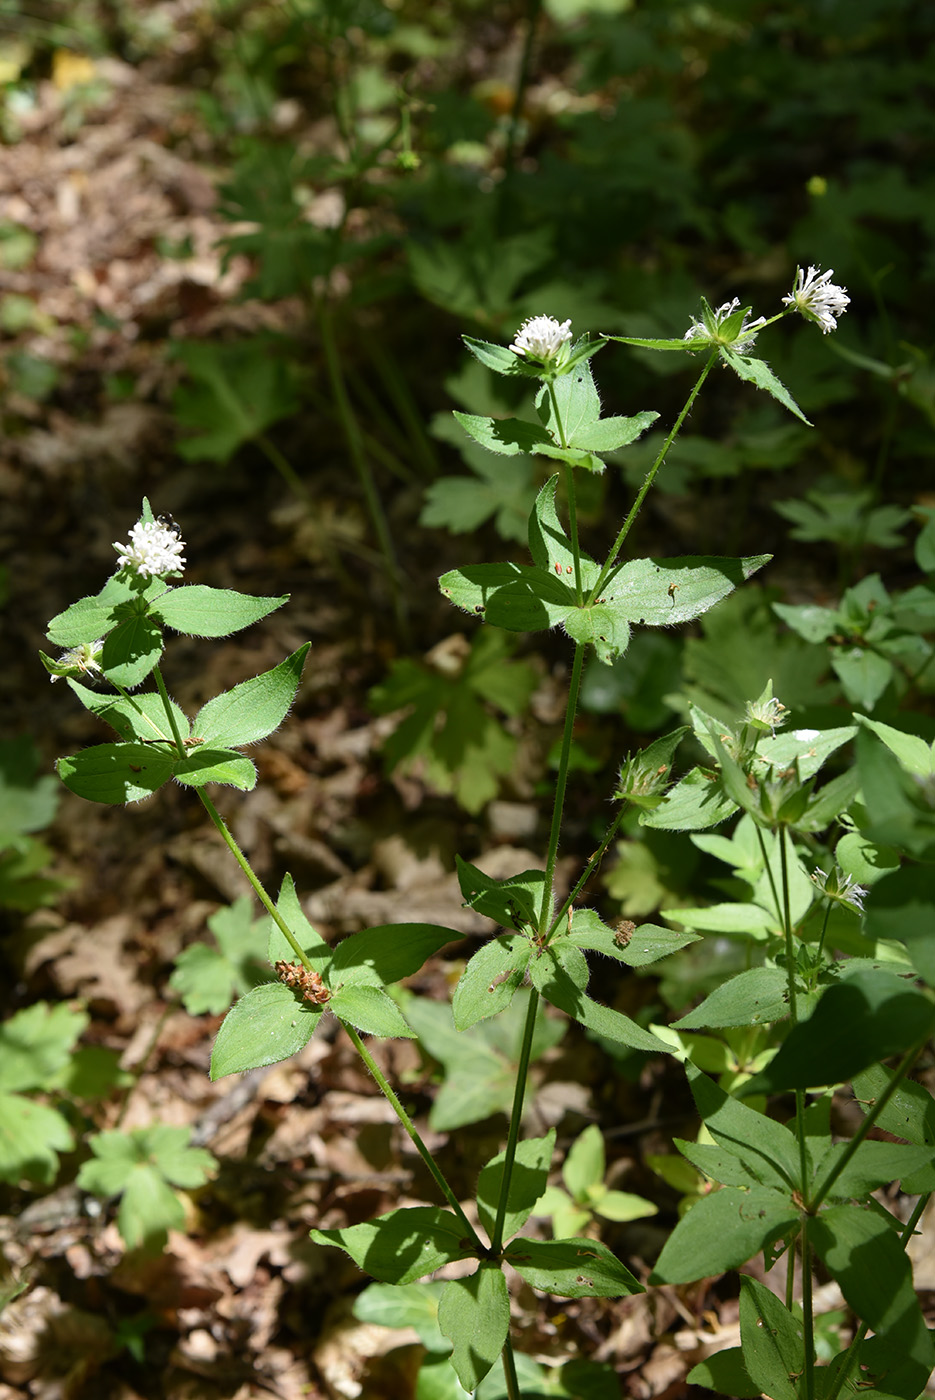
[541, 337]
[816, 297]
[744, 337]
[841, 887]
[154, 548]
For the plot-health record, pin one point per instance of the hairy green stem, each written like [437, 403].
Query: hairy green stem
[509, 1372]
[561, 782]
[573, 531]
[593, 862]
[433, 1167]
[808, 1318]
[610, 567]
[161, 687]
[516, 1118]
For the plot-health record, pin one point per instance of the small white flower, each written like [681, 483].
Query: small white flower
[541, 337]
[744, 337]
[82, 659]
[817, 298]
[766, 714]
[154, 548]
[841, 887]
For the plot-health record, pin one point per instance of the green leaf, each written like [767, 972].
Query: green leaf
[309, 939]
[517, 597]
[900, 907]
[662, 592]
[910, 1111]
[863, 1254]
[757, 997]
[206, 978]
[576, 399]
[527, 1183]
[115, 773]
[253, 709]
[142, 1166]
[867, 1018]
[31, 1137]
[506, 436]
[724, 1230]
[499, 358]
[140, 716]
[726, 1373]
[389, 952]
[491, 979]
[131, 650]
[644, 344]
[758, 372]
[874, 1164]
[609, 434]
[603, 625]
[200, 611]
[27, 802]
[204, 765]
[718, 1163]
[236, 391]
[767, 1149]
[772, 1341]
[697, 801]
[370, 1009]
[864, 674]
[36, 1043]
[404, 1305]
[557, 986]
[461, 504]
[402, 1246]
[515, 901]
[269, 1024]
[474, 1314]
[571, 1268]
[585, 1164]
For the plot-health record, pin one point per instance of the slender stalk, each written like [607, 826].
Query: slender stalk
[437, 1176]
[573, 531]
[285, 468]
[794, 1016]
[161, 686]
[610, 567]
[593, 862]
[516, 1118]
[876, 1108]
[509, 1372]
[808, 1319]
[561, 782]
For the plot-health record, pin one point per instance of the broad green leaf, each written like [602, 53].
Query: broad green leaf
[235, 392]
[131, 651]
[571, 1268]
[149, 1209]
[142, 1166]
[558, 987]
[724, 1230]
[269, 1024]
[527, 1183]
[874, 1164]
[388, 952]
[864, 674]
[253, 709]
[402, 1246]
[506, 436]
[662, 592]
[461, 504]
[601, 624]
[206, 977]
[726, 1373]
[36, 1043]
[576, 400]
[766, 1148]
[489, 982]
[31, 1137]
[857, 1022]
[141, 717]
[499, 358]
[404, 1305]
[645, 944]
[514, 902]
[608, 434]
[863, 1254]
[697, 801]
[200, 611]
[309, 939]
[909, 1113]
[89, 619]
[738, 919]
[533, 600]
[204, 765]
[753, 998]
[115, 773]
[717, 1163]
[621, 1206]
[549, 544]
[370, 1009]
[772, 1341]
[810, 748]
[901, 906]
[759, 373]
[585, 1164]
[474, 1314]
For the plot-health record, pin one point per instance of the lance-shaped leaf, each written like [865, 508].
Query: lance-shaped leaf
[267, 1025]
[549, 545]
[758, 372]
[572, 1268]
[756, 997]
[309, 939]
[474, 1314]
[858, 1022]
[404, 1245]
[607, 434]
[635, 946]
[204, 765]
[131, 650]
[661, 592]
[528, 1181]
[773, 1341]
[908, 1113]
[522, 598]
[874, 1164]
[562, 983]
[200, 611]
[388, 952]
[766, 1148]
[499, 358]
[116, 773]
[644, 344]
[863, 1254]
[491, 979]
[577, 402]
[696, 802]
[253, 709]
[514, 902]
[507, 436]
[140, 717]
[371, 1010]
[91, 618]
[723, 1231]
